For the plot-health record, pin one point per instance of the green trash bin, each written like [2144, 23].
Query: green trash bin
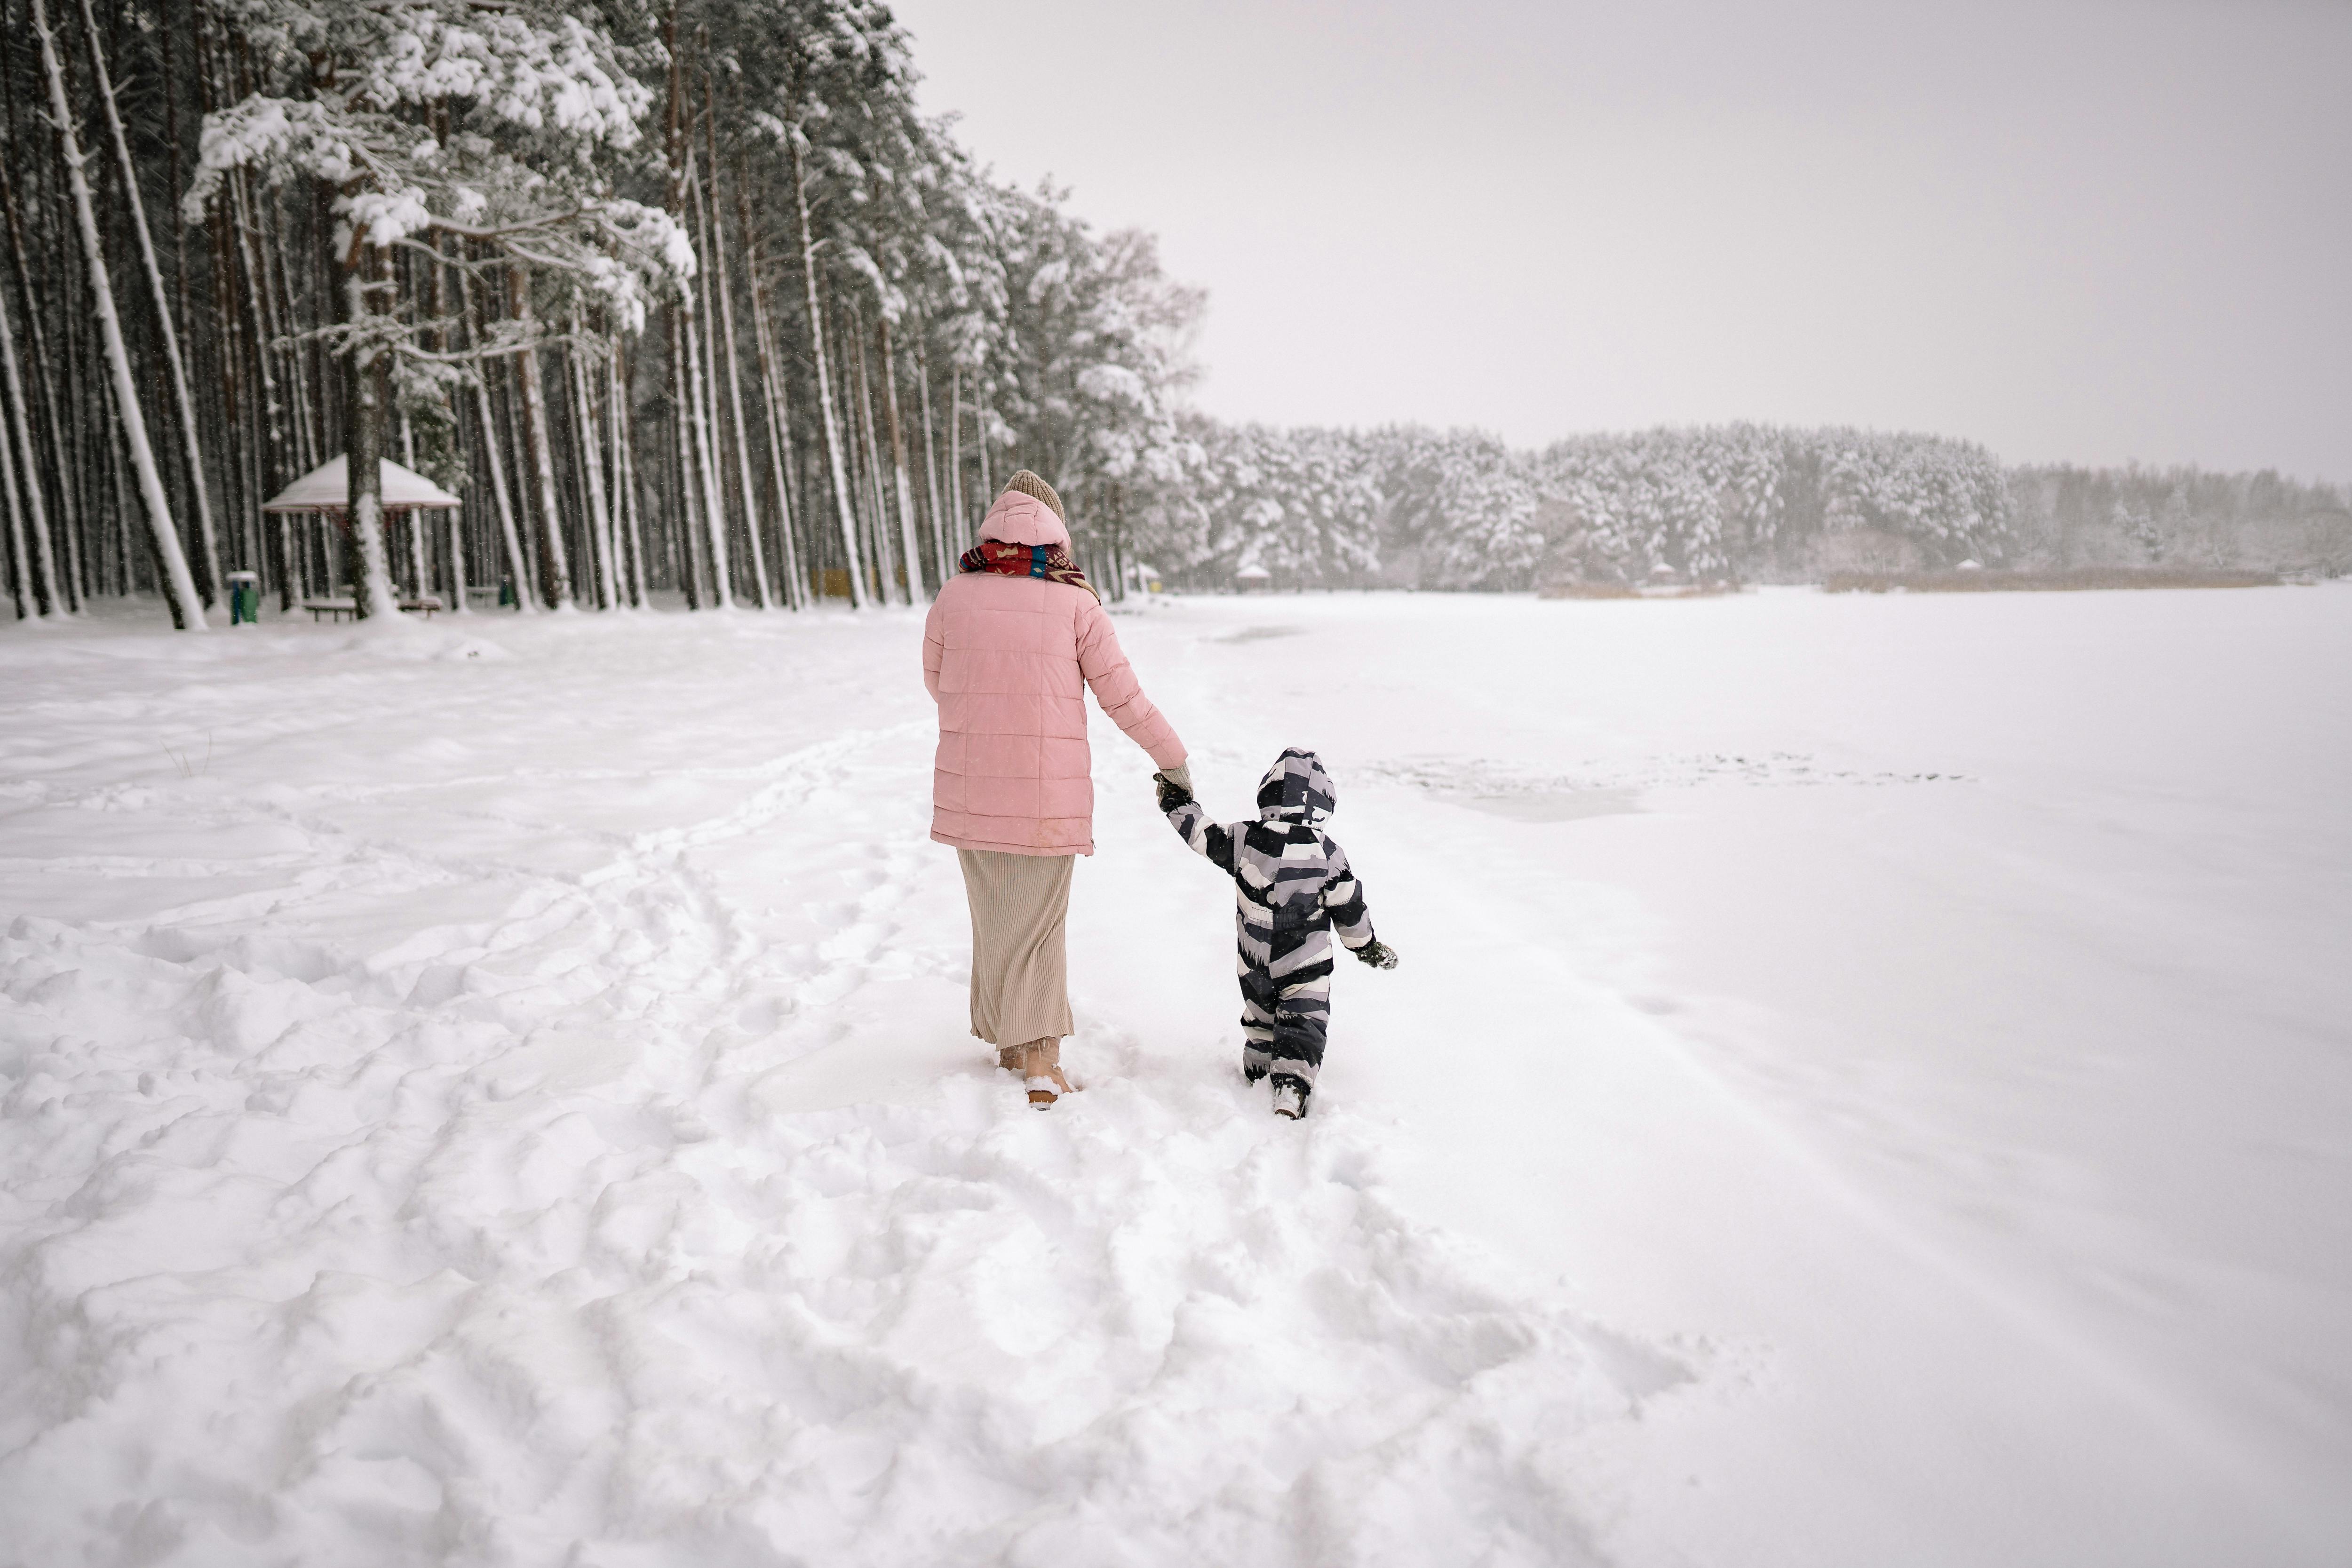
[245, 598]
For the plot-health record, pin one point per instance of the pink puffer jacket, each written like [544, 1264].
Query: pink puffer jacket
[1006, 659]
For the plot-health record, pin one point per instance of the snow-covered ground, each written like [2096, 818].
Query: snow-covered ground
[1869, 1083]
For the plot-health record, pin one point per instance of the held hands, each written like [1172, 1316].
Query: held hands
[1175, 786]
[1378, 953]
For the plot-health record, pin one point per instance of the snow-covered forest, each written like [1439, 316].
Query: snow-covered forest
[686, 297]
[695, 299]
[1412, 507]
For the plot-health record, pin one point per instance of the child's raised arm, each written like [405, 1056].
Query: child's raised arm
[1192, 824]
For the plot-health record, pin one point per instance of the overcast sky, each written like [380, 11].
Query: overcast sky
[2065, 229]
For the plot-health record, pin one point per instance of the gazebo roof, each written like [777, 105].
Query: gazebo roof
[327, 488]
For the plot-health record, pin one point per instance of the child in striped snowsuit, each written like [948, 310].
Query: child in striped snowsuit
[1292, 888]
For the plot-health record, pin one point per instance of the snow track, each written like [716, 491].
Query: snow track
[442, 1165]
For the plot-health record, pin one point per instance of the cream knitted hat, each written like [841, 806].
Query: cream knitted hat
[1029, 484]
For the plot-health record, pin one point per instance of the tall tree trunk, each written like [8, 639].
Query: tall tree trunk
[116, 506]
[591, 457]
[702, 384]
[703, 340]
[20, 559]
[418, 554]
[207, 541]
[47, 527]
[624, 478]
[93, 427]
[955, 457]
[42, 581]
[604, 471]
[724, 324]
[243, 524]
[945, 561]
[306, 376]
[680, 544]
[705, 472]
[367, 391]
[460, 605]
[1119, 541]
[563, 425]
[910, 545]
[604, 405]
[453, 520]
[861, 473]
[886, 568]
[689, 486]
[775, 414]
[84, 394]
[506, 397]
[980, 431]
[517, 565]
[832, 453]
[255, 336]
[326, 401]
[554, 564]
[701, 345]
[187, 609]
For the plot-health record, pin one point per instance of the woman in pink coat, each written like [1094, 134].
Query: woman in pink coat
[1012, 643]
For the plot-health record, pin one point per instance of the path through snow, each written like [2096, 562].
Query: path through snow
[412, 1157]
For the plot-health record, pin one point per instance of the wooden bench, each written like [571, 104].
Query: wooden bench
[348, 609]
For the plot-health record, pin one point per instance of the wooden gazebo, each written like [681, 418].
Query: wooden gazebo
[327, 489]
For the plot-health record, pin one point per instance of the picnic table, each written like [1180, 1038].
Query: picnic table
[346, 607]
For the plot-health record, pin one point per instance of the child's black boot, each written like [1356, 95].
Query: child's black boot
[1291, 1094]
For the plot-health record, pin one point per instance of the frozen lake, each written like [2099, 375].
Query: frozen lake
[1870, 1081]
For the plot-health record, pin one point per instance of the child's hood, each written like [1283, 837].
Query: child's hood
[1296, 789]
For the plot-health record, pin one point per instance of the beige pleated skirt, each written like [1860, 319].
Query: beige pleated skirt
[1020, 967]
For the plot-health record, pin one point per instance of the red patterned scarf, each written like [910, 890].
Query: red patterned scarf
[1050, 561]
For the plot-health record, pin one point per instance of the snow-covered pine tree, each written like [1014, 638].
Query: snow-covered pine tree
[208, 557]
[484, 124]
[187, 610]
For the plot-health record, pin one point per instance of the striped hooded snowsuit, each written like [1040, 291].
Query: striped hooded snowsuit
[1292, 888]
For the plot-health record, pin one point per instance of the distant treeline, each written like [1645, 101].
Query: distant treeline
[1408, 506]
